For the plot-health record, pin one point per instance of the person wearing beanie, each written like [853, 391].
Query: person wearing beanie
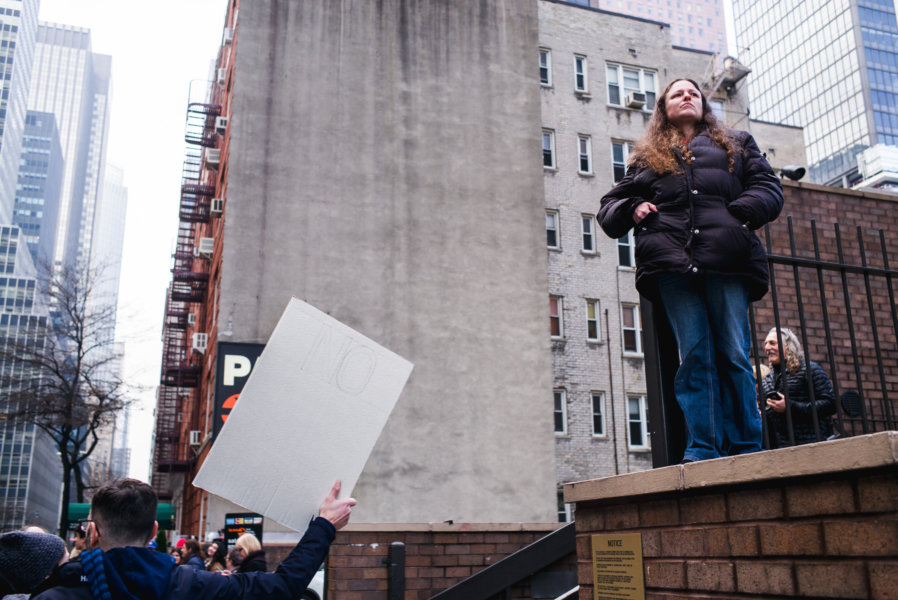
[26, 559]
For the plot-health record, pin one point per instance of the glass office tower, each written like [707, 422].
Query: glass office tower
[829, 66]
[30, 470]
[39, 180]
[18, 32]
[73, 83]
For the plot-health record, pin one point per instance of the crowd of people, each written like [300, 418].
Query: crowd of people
[246, 556]
[113, 556]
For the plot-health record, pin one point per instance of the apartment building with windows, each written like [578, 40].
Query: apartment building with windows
[600, 76]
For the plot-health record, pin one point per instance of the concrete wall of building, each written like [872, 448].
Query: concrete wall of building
[783, 144]
[381, 167]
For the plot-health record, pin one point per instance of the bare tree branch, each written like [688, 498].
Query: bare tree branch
[63, 378]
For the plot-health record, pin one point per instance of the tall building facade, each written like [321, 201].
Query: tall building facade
[39, 185]
[600, 77]
[434, 222]
[18, 32]
[30, 476]
[30, 471]
[829, 66]
[106, 262]
[73, 83]
[391, 229]
[695, 24]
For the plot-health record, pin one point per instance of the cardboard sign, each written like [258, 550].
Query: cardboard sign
[309, 414]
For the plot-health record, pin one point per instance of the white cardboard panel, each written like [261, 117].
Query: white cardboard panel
[309, 414]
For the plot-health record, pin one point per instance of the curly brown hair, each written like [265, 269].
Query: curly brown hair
[656, 149]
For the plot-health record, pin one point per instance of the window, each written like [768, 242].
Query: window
[548, 149]
[580, 74]
[564, 509]
[598, 414]
[620, 153]
[633, 80]
[584, 155]
[593, 331]
[555, 316]
[638, 429]
[545, 66]
[560, 412]
[552, 237]
[631, 331]
[588, 228]
[625, 254]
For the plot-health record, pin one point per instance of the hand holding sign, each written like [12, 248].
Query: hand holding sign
[335, 510]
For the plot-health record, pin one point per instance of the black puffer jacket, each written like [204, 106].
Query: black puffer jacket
[800, 401]
[705, 214]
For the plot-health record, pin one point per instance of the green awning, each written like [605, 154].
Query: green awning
[165, 514]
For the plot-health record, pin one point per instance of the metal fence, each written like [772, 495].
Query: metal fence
[837, 294]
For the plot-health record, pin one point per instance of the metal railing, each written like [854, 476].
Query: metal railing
[501, 576]
[838, 297]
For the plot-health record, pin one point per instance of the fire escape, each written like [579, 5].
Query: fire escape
[181, 366]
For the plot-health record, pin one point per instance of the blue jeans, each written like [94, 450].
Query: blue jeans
[714, 385]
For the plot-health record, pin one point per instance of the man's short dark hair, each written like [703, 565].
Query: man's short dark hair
[125, 510]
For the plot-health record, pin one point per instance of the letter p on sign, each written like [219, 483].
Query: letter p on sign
[235, 366]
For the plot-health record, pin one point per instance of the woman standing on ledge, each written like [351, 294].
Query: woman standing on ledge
[695, 191]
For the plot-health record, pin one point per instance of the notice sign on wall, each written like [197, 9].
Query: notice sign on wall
[617, 566]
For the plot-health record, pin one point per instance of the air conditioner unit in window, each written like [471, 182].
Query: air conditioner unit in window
[221, 124]
[206, 247]
[635, 100]
[222, 75]
[213, 157]
[228, 36]
[191, 319]
[200, 341]
[217, 206]
[196, 437]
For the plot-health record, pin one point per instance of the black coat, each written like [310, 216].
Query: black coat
[705, 214]
[254, 561]
[803, 424]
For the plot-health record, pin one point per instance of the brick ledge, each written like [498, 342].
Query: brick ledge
[452, 527]
[849, 454]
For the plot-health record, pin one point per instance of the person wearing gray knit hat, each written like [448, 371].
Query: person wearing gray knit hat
[26, 559]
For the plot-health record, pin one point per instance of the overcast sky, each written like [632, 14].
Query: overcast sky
[157, 48]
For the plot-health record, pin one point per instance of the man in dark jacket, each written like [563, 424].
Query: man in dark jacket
[120, 566]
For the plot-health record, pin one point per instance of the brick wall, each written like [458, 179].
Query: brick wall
[814, 521]
[848, 307]
[437, 556]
